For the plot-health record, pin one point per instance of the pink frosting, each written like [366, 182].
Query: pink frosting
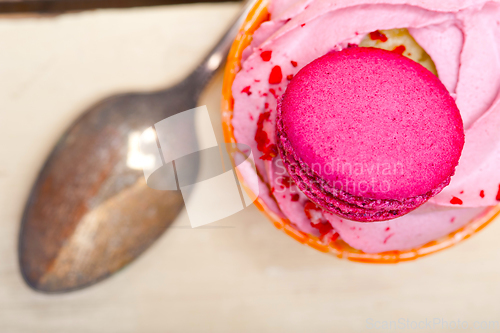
[462, 38]
[426, 223]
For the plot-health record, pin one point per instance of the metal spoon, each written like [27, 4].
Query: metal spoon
[89, 213]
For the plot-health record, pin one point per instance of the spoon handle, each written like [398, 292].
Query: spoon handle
[216, 57]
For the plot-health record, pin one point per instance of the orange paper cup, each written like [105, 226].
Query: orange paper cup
[339, 248]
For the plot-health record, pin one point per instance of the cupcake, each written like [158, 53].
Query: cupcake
[292, 94]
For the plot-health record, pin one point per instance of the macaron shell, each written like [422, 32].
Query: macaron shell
[373, 123]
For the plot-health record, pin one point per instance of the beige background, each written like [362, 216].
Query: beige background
[246, 278]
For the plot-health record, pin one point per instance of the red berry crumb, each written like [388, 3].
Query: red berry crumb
[286, 181]
[270, 152]
[318, 221]
[294, 63]
[456, 201]
[276, 75]
[481, 194]
[399, 49]
[266, 55]
[295, 197]
[314, 213]
[247, 90]
[260, 135]
[273, 92]
[387, 238]
[268, 149]
[377, 35]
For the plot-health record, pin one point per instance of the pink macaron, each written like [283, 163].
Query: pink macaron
[368, 134]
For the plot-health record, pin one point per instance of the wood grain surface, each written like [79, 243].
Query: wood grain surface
[239, 275]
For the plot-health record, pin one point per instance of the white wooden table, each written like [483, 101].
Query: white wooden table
[246, 278]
